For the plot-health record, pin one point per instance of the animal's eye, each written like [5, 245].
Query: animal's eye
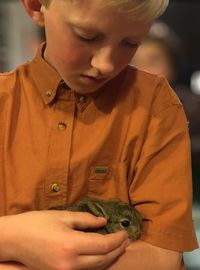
[125, 223]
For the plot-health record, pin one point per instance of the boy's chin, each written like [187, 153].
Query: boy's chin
[84, 89]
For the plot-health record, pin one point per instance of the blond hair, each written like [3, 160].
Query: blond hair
[144, 9]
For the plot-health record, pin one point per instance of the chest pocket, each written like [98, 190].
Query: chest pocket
[109, 181]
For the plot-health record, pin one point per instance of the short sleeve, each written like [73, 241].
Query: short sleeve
[162, 186]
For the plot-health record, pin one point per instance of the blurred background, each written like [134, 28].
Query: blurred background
[172, 48]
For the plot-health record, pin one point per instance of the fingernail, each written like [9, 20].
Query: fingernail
[102, 218]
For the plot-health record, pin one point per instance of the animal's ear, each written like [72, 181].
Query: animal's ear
[97, 209]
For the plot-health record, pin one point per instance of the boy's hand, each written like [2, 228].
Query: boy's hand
[50, 240]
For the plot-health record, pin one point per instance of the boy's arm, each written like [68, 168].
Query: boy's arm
[140, 254]
[12, 266]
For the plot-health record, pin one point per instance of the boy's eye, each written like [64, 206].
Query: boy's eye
[87, 39]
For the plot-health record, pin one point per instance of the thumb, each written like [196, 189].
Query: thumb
[83, 220]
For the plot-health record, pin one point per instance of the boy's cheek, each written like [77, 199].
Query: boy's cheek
[72, 59]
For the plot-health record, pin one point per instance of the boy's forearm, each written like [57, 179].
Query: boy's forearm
[8, 240]
[140, 254]
[5, 247]
[12, 266]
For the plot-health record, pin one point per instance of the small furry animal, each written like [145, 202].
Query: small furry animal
[120, 215]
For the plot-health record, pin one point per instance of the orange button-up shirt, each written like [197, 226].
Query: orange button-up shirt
[129, 140]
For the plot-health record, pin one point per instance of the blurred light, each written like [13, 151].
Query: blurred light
[160, 29]
[195, 82]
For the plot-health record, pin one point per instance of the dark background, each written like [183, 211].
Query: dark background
[183, 16]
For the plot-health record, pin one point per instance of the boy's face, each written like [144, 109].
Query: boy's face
[88, 43]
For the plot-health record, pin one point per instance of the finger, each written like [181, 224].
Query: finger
[81, 221]
[100, 261]
[98, 244]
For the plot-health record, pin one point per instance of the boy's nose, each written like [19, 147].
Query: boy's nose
[103, 61]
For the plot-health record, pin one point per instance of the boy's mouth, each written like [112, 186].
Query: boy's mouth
[92, 79]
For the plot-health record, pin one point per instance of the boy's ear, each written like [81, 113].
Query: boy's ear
[33, 8]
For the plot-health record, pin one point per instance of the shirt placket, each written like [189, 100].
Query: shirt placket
[60, 142]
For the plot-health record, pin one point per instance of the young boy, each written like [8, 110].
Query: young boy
[76, 121]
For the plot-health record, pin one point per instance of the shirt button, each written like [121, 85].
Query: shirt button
[82, 99]
[62, 126]
[55, 187]
[48, 93]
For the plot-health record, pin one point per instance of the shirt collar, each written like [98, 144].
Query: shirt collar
[45, 77]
